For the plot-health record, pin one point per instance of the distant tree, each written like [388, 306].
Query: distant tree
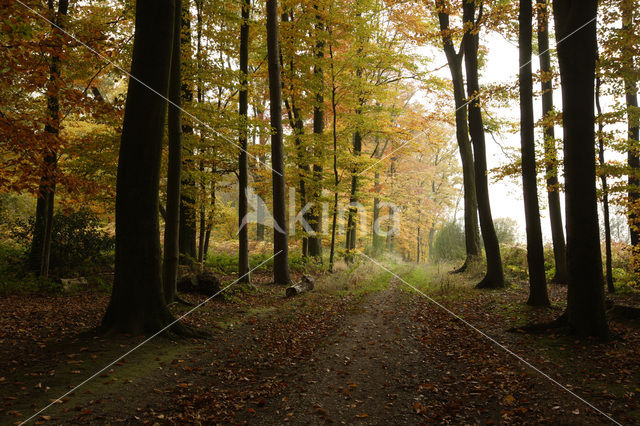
[449, 244]
[506, 230]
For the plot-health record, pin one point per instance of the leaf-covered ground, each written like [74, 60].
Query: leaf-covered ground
[361, 348]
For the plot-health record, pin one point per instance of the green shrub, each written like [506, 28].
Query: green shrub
[77, 238]
[514, 259]
[449, 243]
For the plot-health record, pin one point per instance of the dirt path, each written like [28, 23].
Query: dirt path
[368, 372]
[384, 356]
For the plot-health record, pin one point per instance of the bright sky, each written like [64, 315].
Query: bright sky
[502, 66]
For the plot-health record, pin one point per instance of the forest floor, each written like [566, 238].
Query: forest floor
[363, 347]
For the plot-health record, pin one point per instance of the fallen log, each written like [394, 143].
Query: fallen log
[205, 283]
[306, 284]
[69, 284]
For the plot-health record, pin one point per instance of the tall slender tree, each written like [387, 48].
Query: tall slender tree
[243, 163]
[633, 123]
[454, 60]
[550, 152]
[174, 169]
[535, 251]
[280, 236]
[605, 192]
[43, 226]
[494, 277]
[188, 231]
[137, 302]
[315, 241]
[575, 24]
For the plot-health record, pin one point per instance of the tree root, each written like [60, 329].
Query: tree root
[489, 283]
[541, 328]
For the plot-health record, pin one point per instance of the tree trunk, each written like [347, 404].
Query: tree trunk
[202, 234]
[553, 186]
[243, 162]
[418, 246]
[315, 241]
[174, 168]
[605, 193]
[633, 128]
[535, 250]
[306, 284]
[297, 125]
[494, 277]
[336, 179]
[577, 57]
[202, 226]
[377, 240]
[390, 229]
[40, 252]
[454, 60]
[432, 234]
[188, 231]
[280, 237]
[137, 302]
[207, 234]
[353, 194]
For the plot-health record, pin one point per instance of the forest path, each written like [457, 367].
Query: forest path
[361, 348]
[368, 371]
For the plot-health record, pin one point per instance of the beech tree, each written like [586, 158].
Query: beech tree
[137, 302]
[174, 165]
[280, 235]
[188, 231]
[535, 250]
[494, 277]
[454, 61]
[577, 51]
[550, 151]
[41, 244]
[243, 163]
